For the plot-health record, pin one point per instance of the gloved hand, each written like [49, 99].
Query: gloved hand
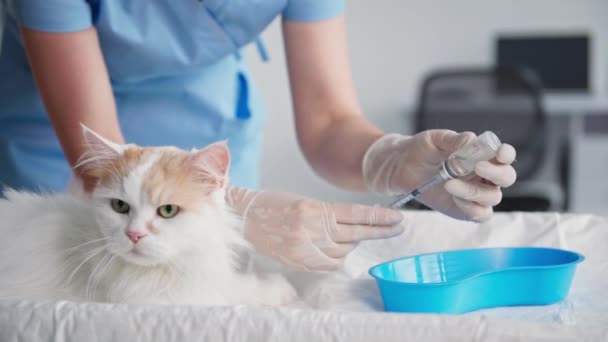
[398, 164]
[307, 234]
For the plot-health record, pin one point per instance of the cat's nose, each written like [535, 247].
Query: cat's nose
[135, 236]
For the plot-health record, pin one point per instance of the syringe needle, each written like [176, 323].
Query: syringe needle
[401, 201]
[397, 204]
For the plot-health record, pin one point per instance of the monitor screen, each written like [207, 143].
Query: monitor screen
[561, 62]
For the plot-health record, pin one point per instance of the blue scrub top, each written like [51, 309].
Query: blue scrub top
[175, 69]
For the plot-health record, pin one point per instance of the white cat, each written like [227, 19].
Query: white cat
[156, 229]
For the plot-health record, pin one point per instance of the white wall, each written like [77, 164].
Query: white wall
[393, 43]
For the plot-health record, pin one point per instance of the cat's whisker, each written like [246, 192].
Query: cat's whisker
[176, 268]
[80, 260]
[89, 256]
[93, 275]
[135, 273]
[120, 284]
[75, 258]
[101, 272]
[177, 273]
[85, 244]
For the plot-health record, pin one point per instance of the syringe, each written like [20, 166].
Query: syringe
[460, 163]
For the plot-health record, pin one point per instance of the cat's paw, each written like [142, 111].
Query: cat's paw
[277, 290]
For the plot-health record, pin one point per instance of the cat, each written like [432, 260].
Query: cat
[155, 230]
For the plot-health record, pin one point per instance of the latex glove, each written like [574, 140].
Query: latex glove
[307, 234]
[398, 164]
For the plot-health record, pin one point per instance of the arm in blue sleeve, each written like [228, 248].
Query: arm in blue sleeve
[53, 15]
[313, 10]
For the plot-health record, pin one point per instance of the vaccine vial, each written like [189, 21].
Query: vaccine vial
[462, 162]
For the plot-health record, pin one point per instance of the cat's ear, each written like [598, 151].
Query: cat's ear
[212, 164]
[99, 149]
[97, 143]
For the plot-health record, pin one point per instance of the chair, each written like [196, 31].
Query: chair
[507, 101]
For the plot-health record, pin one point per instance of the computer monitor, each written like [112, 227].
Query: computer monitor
[561, 62]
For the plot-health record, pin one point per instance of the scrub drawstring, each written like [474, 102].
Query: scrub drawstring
[261, 49]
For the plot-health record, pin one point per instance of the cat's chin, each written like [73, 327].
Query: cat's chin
[136, 257]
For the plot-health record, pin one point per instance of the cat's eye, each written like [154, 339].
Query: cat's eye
[168, 210]
[119, 206]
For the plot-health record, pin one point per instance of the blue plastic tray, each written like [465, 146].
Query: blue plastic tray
[466, 280]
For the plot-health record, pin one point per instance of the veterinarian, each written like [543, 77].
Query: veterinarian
[170, 73]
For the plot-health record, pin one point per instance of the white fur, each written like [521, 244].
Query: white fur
[69, 247]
